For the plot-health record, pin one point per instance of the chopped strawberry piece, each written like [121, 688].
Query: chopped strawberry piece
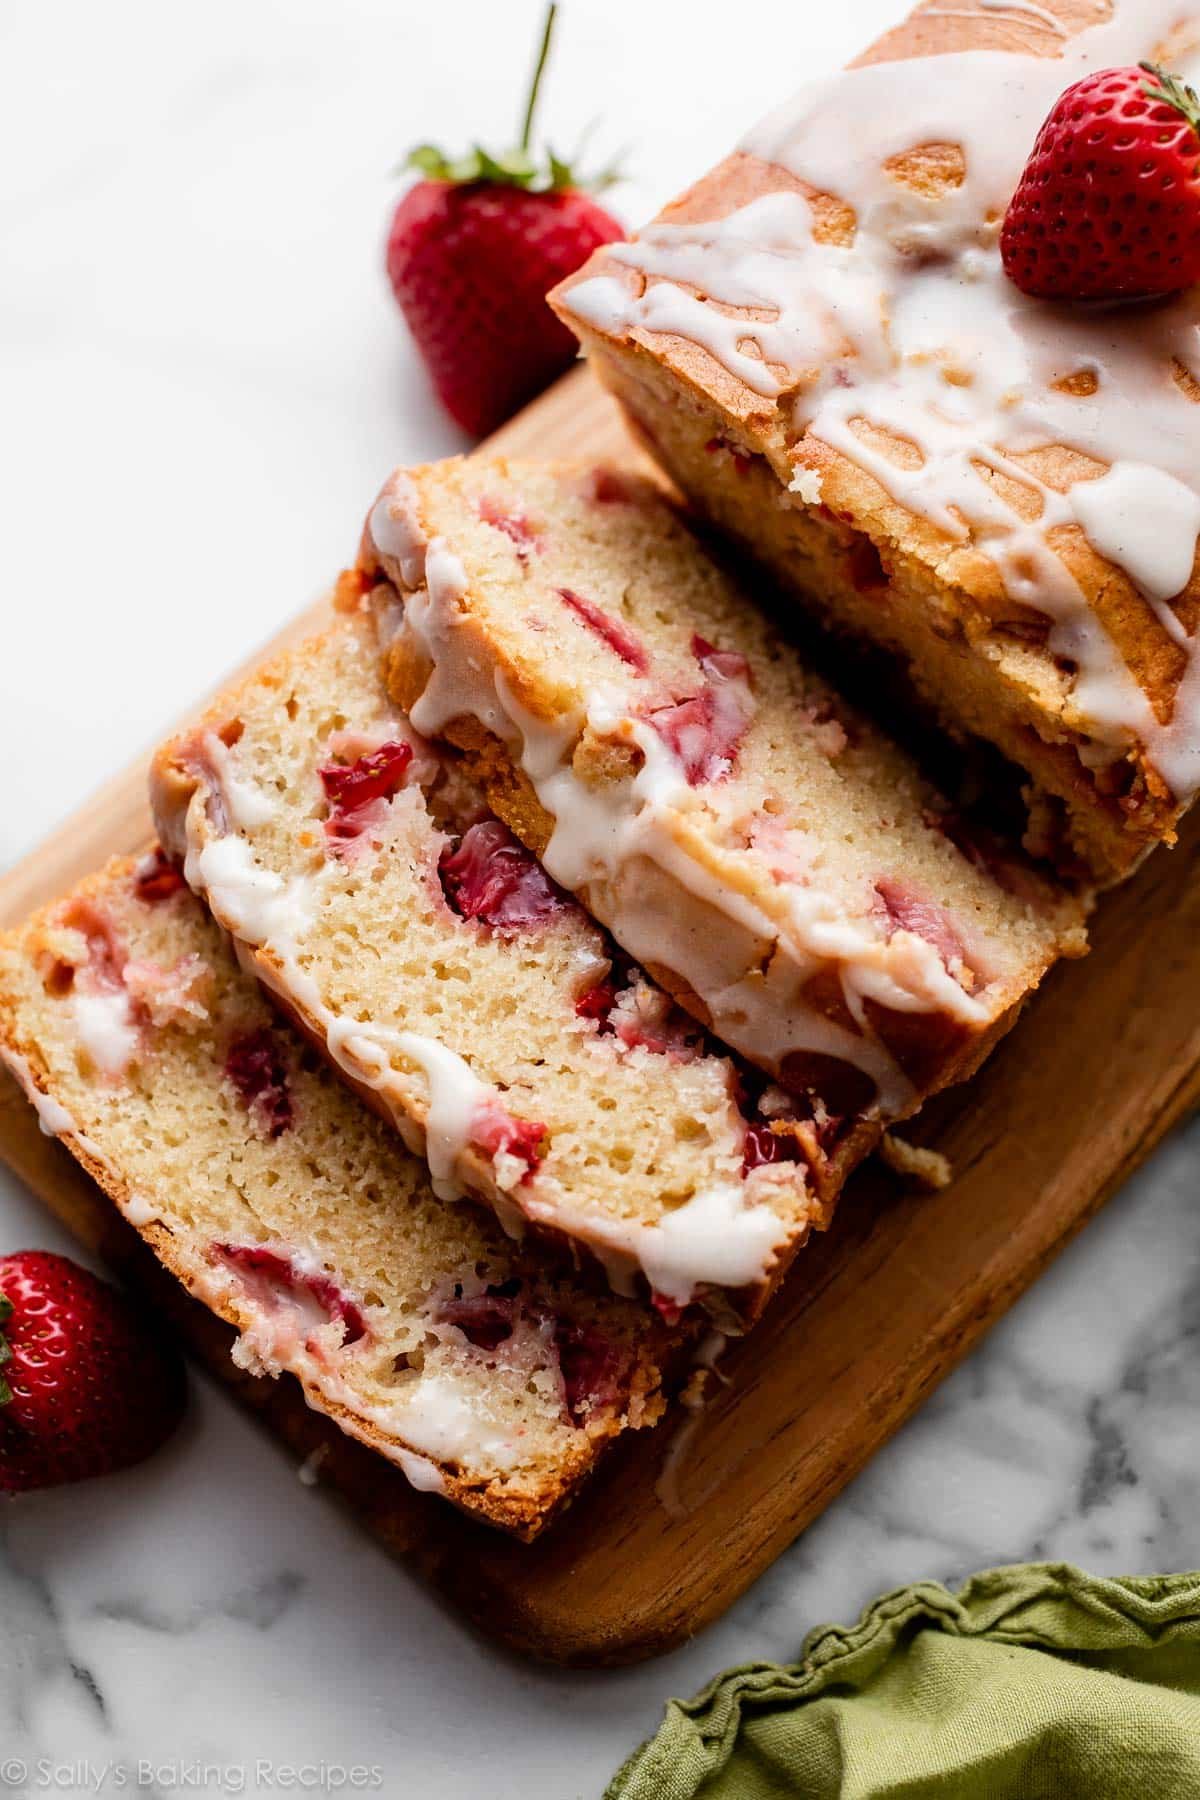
[106, 954]
[865, 567]
[594, 1370]
[905, 910]
[720, 665]
[706, 729]
[177, 995]
[274, 1269]
[617, 636]
[157, 878]
[597, 1002]
[355, 791]
[646, 1019]
[486, 1320]
[762, 1146]
[514, 525]
[492, 878]
[742, 461]
[608, 488]
[256, 1066]
[497, 1132]
[668, 1310]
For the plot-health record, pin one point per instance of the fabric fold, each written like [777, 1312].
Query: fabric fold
[1035, 1680]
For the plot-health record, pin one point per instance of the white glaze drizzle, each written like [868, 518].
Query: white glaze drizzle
[915, 329]
[456, 1096]
[438, 1419]
[53, 1117]
[720, 1237]
[55, 1120]
[1020, 8]
[104, 1025]
[433, 1417]
[420, 1473]
[246, 803]
[724, 1236]
[266, 912]
[604, 834]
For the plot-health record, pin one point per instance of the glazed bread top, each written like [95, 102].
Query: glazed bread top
[774, 860]
[835, 290]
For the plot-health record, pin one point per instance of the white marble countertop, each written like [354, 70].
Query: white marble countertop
[203, 380]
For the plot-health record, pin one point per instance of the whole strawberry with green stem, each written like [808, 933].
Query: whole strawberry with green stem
[85, 1387]
[474, 249]
[1108, 207]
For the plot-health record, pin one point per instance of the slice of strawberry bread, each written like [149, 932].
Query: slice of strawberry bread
[289, 1209]
[468, 998]
[778, 865]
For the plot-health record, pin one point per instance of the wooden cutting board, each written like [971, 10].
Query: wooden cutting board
[1106, 1059]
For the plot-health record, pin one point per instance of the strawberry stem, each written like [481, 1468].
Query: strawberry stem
[1171, 90]
[535, 85]
[5, 1352]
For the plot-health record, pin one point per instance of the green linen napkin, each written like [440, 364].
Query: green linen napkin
[1033, 1683]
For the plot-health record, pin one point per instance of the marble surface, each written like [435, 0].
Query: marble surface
[203, 379]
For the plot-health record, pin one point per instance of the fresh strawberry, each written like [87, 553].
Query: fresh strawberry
[474, 248]
[85, 1387]
[1109, 205]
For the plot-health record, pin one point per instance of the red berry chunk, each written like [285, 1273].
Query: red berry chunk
[157, 879]
[762, 1145]
[617, 636]
[741, 461]
[594, 1370]
[256, 1066]
[720, 665]
[486, 1320]
[514, 525]
[106, 954]
[496, 1132]
[904, 909]
[492, 878]
[277, 1270]
[706, 729]
[353, 789]
[597, 1002]
[608, 488]
[668, 1310]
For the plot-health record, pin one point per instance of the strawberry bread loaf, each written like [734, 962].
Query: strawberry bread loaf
[774, 862]
[290, 1210]
[469, 999]
[819, 341]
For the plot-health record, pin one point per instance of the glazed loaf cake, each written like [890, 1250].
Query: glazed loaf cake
[819, 343]
[773, 861]
[468, 999]
[287, 1208]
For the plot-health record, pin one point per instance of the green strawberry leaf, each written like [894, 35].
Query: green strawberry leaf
[560, 173]
[517, 167]
[1172, 90]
